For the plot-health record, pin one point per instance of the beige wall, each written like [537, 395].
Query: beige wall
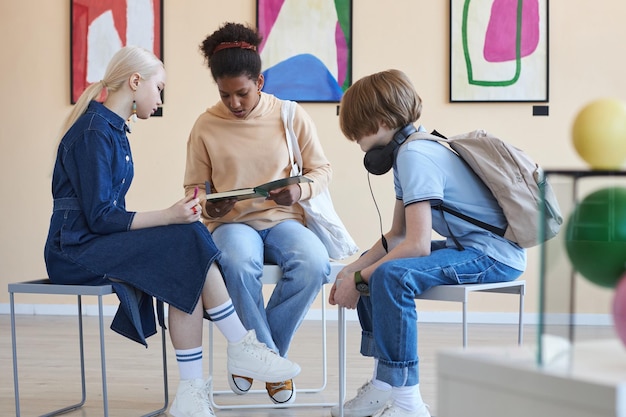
[586, 62]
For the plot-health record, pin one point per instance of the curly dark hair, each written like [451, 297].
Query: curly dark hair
[233, 62]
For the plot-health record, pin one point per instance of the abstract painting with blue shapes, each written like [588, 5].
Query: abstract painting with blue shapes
[306, 48]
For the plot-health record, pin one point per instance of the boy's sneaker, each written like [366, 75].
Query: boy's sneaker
[255, 360]
[395, 411]
[281, 392]
[369, 400]
[240, 385]
[192, 399]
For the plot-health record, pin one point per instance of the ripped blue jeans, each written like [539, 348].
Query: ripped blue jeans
[388, 316]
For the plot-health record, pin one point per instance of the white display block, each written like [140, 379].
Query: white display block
[507, 382]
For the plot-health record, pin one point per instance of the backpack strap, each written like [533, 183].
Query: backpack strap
[493, 229]
[456, 241]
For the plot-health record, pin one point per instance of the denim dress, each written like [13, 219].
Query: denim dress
[90, 242]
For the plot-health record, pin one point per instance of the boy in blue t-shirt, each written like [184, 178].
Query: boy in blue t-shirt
[378, 113]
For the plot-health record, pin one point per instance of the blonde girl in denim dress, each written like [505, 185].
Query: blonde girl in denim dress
[164, 254]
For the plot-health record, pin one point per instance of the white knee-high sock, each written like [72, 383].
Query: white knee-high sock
[189, 363]
[227, 321]
[408, 397]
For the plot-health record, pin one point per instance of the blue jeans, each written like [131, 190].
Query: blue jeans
[388, 316]
[303, 260]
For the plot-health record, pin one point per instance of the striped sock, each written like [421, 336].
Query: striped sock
[190, 363]
[227, 321]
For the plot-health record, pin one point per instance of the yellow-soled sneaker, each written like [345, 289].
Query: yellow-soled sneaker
[281, 392]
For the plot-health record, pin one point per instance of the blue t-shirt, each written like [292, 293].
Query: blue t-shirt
[426, 170]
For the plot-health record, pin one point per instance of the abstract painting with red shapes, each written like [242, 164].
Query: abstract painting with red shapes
[99, 28]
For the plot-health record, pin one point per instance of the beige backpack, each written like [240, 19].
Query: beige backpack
[516, 182]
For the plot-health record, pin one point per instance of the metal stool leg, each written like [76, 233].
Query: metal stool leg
[81, 348]
[464, 324]
[15, 367]
[15, 379]
[165, 385]
[520, 326]
[105, 398]
[342, 358]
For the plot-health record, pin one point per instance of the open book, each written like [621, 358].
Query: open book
[262, 190]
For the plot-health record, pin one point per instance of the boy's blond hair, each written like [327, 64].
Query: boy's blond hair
[385, 97]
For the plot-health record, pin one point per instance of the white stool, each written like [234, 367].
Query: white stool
[271, 275]
[44, 286]
[459, 293]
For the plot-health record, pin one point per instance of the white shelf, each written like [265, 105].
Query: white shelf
[506, 382]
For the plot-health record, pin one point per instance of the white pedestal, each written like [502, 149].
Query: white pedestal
[506, 382]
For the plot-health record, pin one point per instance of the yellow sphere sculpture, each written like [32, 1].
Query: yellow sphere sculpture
[599, 134]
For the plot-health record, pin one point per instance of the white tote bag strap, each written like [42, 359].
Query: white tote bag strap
[287, 112]
[319, 211]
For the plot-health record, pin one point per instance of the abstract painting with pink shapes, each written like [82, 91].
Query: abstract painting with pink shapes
[99, 28]
[306, 49]
[499, 50]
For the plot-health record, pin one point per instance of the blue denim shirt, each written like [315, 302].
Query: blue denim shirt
[92, 174]
[95, 165]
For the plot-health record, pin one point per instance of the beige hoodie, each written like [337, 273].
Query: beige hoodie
[234, 153]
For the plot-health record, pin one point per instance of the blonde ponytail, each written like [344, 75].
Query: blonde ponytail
[125, 62]
[90, 93]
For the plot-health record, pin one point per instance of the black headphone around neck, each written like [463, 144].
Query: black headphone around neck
[379, 160]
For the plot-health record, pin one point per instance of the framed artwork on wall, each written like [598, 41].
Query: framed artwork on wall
[307, 48]
[99, 28]
[499, 50]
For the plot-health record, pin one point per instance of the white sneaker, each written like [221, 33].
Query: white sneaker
[394, 411]
[254, 359]
[369, 400]
[192, 399]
